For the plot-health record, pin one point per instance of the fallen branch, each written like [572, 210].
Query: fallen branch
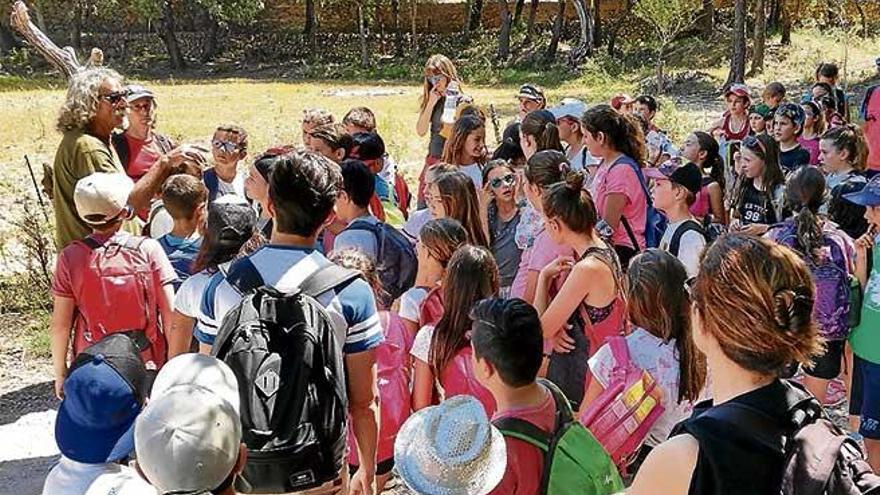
[64, 59]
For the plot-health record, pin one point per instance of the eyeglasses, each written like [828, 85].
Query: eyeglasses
[497, 182]
[225, 146]
[753, 142]
[114, 97]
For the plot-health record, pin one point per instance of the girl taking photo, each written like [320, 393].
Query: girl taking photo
[440, 76]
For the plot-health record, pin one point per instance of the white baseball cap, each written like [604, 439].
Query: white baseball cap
[569, 107]
[187, 440]
[101, 197]
[201, 371]
[451, 448]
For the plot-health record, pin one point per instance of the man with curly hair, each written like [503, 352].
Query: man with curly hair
[95, 105]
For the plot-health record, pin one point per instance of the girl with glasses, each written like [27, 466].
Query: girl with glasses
[501, 216]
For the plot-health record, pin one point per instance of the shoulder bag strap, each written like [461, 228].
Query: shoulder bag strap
[684, 228]
[327, 278]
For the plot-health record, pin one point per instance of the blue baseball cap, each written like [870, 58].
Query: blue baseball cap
[868, 196]
[103, 395]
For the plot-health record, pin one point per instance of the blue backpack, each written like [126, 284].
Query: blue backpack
[655, 224]
[396, 261]
[182, 256]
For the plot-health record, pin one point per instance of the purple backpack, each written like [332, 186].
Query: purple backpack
[830, 272]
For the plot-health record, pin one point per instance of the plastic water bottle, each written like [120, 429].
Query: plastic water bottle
[449, 106]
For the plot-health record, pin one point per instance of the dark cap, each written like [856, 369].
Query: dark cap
[868, 196]
[687, 175]
[103, 395]
[531, 92]
[367, 146]
[231, 220]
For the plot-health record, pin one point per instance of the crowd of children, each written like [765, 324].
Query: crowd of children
[584, 304]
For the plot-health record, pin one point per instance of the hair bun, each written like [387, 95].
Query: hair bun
[574, 179]
[792, 310]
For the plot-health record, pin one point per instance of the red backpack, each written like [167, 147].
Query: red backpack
[459, 379]
[431, 309]
[118, 293]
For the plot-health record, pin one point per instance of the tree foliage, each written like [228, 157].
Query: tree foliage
[667, 19]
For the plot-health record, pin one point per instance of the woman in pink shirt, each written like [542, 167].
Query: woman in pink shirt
[543, 169]
[619, 143]
[591, 305]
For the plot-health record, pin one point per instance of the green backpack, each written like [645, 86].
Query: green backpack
[573, 458]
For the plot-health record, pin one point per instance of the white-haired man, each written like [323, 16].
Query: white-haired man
[95, 105]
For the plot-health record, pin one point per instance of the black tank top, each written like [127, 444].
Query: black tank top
[732, 461]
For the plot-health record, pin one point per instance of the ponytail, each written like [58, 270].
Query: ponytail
[804, 194]
[849, 137]
[713, 161]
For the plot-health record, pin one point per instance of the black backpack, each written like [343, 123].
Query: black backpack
[820, 459]
[685, 227]
[396, 261]
[289, 365]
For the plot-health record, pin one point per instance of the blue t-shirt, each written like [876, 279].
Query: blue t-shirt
[182, 253]
[351, 306]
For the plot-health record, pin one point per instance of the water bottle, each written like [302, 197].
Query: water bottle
[449, 106]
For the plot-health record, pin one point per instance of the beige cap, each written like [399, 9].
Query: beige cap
[101, 197]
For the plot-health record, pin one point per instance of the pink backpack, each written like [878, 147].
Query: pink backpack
[392, 358]
[621, 417]
[117, 292]
[459, 379]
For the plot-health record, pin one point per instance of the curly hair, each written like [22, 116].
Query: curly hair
[81, 104]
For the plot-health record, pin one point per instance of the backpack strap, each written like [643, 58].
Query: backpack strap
[242, 275]
[91, 242]
[620, 353]
[326, 278]
[630, 233]
[212, 183]
[376, 229]
[687, 226]
[525, 431]
[120, 144]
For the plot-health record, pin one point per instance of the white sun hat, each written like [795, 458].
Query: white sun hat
[450, 449]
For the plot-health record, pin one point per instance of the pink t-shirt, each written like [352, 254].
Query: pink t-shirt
[811, 145]
[525, 462]
[542, 252]
[619, 177]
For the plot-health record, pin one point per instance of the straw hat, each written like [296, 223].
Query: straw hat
[451, 449]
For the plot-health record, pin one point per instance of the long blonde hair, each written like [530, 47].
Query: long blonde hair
[436, 65]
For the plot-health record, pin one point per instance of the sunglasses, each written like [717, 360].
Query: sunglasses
[754, 143]
[225, 146]
[433, 80]
[497, 182]
[115, 97]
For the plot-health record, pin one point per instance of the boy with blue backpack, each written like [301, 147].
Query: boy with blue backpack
[548, 451]
[184, 198]
[396, 262]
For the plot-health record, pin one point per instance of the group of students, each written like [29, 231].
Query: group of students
[587, 284]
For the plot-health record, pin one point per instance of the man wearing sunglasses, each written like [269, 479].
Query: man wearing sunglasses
[95, 105]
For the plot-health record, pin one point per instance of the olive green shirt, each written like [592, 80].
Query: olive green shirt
[79, 155]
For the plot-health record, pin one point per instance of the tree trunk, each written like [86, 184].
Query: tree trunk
[398, 33]
[170, 39]
[36, 7]
[618, 23]
[584, 47]
[550, 56]
[413, 38]
[7, 39]
[311, 18]
[661, 78]
[760, 37]
[362, 35]
[517, 11]
[598, 33]
[862, 18]
[530, 23]
[75, 39]
[475, 14]
[786, 22]
[504, 32]
[209, 43]
[738, 59]
[706, 20]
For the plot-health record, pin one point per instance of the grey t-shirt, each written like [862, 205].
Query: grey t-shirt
[507, 253]
[435, 146]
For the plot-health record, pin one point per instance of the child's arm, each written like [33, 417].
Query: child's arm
[716, 201]
[179, 333]
[166, 296]
[554, 314]
[62, 321]
[423, 385]
[862, 245]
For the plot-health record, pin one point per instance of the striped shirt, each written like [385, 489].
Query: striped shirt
[351, 306]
